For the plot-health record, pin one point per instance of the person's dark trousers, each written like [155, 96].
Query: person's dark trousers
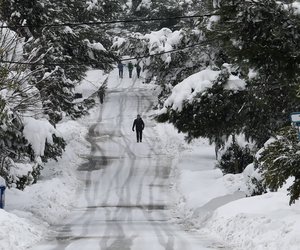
[138, 73]
[139, 135]
[130, 73]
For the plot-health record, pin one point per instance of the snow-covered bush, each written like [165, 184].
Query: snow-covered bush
[253, 184]
[235, 153]
[235, 159]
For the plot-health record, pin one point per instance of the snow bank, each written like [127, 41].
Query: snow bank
[262, 222]
[30, 212]
[212, 183]
[199, 182]
[51, 198]
[17, 233]
[216, 204]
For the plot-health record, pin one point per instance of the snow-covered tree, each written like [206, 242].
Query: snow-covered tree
[20, 164]
[163, 68]
[73, 49]
[207, 106]
[261, 37]
[19, 161]
[151, 9]
[279, 160]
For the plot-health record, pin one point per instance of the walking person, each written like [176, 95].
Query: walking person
[130, 68]
[139, 125]
[120, 67]
[101, 93]
[138, 70]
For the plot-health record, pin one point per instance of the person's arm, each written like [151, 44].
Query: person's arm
[133, 125]
[143, 125]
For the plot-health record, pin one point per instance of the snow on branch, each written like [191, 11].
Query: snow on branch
[38, 132]
[198, 83]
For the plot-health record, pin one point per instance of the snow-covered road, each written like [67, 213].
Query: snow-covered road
[125, 203]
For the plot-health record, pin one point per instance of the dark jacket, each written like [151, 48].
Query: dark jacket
[120, 66]
[138, 67]
[130, 66]
[138, 124]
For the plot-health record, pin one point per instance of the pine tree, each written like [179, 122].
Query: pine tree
[262, 36]
[280, 160]
[157, 9]
[235, 159]
[73, 49]
[14, 148]
[213, 113]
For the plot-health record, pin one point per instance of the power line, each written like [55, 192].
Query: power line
[106, 22]
[166, 52]
[39, 63]
[127, 59]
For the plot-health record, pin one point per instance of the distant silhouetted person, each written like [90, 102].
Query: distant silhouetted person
[130, 68]
[101, 93]
[138, 70]
[120, 67]
[139, 125]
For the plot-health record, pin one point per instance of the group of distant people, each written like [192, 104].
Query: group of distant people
[130, 67]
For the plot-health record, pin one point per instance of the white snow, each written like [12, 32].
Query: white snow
[216, 3]
[260, 222]
[198, 83]
[91, 4]
[38, 132]
[11, 44]
[91, 83]
[155, 42]
[2, 182]
[29, 213]
[252, 74]
[235, 83]
[216, 204]
[145, 4]
[163, 40]
[95, 46]
[213, 19]
[17, 233]
[206, 200]
[189, 87]
[69, 30]
[294, 5]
